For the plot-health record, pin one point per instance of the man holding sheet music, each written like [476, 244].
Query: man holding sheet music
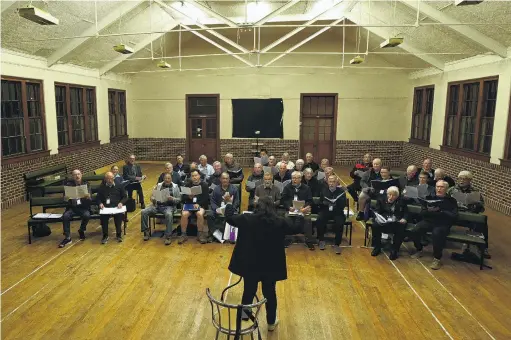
[297, 200]
[390, 216]
[374, 182]
[111, 199]
[195, 198]
[411, 194]
[356, 173]
[254, 181]
[285, 160]
[333, 202]
[204, 167]
[410, 179]
[312, 182]
[234, 170]
[214, 179]
[78, 195]
[133, 172]
[268, 189]
[438, 214]
[165, 198]
[221, 195]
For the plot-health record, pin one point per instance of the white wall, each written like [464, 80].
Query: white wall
[471, 69]
[24, 66]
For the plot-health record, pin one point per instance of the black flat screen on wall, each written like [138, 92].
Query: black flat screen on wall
[264, 115]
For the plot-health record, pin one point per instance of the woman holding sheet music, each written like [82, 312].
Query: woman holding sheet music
[259, 254]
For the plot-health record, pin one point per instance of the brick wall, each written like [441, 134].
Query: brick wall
[241, 148]
[347, 152]
[159, 149]
[489, 178]
[13, 185]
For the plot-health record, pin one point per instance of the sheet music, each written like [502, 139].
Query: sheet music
[467, 198]
[112, 211]
[251, 184]
[321, 175]
[333, 200]
[161, 195]
[47, 215]
[76, 192]
[212, 186]
[382, 220]
[286, 183]
[235, 171]
[257, 160]
[264, 160]
[195, 190]
[411, 192]
[422, 190]
[297, 205]
[267, 169]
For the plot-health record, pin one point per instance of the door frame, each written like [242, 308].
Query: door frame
[188, 137]
[334, 132]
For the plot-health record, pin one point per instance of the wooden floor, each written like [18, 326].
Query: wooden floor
[145, 290]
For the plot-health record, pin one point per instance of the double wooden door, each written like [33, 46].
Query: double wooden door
[202, 127]
[318, 119]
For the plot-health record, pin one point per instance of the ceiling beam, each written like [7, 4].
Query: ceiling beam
[168, 26]
[276, 12]
[213, 32]
[349, 4]
[125, 8]
[381, 32]
[312, 36]
[6, 5]
[213, 13]
[465, 30]
[214, 43]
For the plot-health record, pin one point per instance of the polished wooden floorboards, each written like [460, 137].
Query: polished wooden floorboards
[145, 290]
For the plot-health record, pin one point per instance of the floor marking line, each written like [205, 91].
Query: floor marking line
[15, 309]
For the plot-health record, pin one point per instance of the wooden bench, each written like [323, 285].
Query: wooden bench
[37, 181]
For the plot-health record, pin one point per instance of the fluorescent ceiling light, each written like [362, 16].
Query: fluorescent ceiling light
[257, 10]
[190, 10]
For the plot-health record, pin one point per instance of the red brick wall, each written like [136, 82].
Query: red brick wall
[347, 152]
[489, 178]
[241, 148]
[159, 149]
[13, 185]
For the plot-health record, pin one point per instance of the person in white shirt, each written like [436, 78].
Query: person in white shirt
[204, 167]
[285, 159]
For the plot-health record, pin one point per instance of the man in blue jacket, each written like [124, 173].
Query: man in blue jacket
[219, 199]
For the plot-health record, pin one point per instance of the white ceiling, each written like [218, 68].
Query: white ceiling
[138, 23]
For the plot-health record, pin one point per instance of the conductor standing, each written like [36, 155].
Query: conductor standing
[259, 254]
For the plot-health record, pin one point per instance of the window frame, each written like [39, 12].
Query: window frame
[117, 114]
[73, 146]
[28, 154]
[423, 113]
[479, 111]
[506, 160]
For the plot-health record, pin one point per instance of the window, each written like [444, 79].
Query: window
[117, 113]
[76, 115]
[421, 115]
[23, 125]
[469, 117]
[506, 161]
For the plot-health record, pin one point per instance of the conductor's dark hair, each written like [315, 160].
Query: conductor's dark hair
[266, 209]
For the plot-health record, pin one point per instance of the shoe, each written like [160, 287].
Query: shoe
[104, 240]
[65, 242]
[182, 239]
[337, 249]
[376, 252]
[168, 241]
[321, 245]
[146, 235]
[310, 245]
[360, 216]
[393, 255]
[271, 327]
[436, 264]
[142, 206]
[119, 238]
[486, 254]
[417, 255]
[82, 235]
[203, 238]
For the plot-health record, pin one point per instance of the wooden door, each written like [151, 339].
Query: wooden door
[318, 118]
[202, 127]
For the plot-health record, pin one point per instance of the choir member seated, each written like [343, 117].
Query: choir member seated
[355, 173]
[111, 195]
[204, 167]
[285, 159]
[181, 168]
[167, 207]
[312, 182]
[132, 172]
[390, 217]
[328, 172]
[80, 207]
[332, 204]
[283, 175]
[470, 199]
[309, 159]
[195, 167]
[199, 203]
[299, 165]
[424, 180]
[296, 191]
[254, 180]
[367, 190]
[272, 163]
[169, 169]
[264, 155]
[427, 166]
[438, 216]
[221, 195]
[214, 179]
[267, 189]
[440, 175]
[325, 163]
[117, 177]
[410, 179]
[234, 170]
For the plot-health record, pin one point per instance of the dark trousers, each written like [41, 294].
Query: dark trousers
[396, 228]
[439, 235]
[214, 222]
[251, 204]
[302, 224]
[324, 217]
[269, 292]
[353, 190]
[138, 187]
[118, 219]
[68, 215]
